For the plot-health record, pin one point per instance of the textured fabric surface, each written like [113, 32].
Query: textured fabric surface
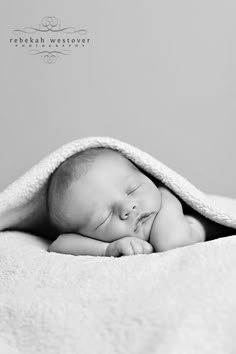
[175, 302]
[180, 301]
[23, 203]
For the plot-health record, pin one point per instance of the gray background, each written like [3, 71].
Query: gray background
[157, 74]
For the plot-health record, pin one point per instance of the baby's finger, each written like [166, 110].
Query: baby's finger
[126, 250]
[148, 248]
[137, 247]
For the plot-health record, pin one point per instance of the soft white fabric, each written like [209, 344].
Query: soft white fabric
[175, 302]
[23, 203]
[180, 301]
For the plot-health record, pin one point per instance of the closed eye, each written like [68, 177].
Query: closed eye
[103, 221]
[134, 190]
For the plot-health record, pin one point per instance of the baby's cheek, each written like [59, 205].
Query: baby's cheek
[116, 230]
[106, 234]
[158, 200]
[103, 235]
[153, 196]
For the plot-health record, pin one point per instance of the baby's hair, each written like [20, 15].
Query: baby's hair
[68, 171]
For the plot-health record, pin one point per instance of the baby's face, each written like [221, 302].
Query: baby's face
[105, 203]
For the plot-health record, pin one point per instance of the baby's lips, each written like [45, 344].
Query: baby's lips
[142, 219]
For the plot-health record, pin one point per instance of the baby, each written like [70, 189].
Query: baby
[103, 205]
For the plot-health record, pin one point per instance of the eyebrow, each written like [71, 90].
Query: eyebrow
[133, 174]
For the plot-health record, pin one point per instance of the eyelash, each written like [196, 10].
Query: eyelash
[111, 212]
[103, 221]
[133, 190]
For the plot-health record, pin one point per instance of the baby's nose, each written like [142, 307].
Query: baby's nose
[126, 209]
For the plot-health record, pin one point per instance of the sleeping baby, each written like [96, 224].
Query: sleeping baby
[101, 204]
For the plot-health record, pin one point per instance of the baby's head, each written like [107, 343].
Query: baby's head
[100, 193]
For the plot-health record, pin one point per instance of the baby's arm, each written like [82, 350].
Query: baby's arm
[76, 245]
[171, 228]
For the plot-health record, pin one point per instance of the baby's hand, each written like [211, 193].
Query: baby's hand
[128, 246]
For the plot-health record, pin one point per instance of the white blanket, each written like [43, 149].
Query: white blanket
[180, 301]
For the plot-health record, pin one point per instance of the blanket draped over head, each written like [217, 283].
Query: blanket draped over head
[179, 301]
[23, 204]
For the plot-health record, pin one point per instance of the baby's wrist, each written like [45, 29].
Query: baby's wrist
[107, 250]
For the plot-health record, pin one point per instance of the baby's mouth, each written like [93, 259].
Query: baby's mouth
[142, 219]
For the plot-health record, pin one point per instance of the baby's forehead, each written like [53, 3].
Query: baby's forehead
[118, 159]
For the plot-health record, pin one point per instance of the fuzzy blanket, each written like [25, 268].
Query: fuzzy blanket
[180, 301]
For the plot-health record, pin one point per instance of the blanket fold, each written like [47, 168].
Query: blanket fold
[179, 301]
[23, 204]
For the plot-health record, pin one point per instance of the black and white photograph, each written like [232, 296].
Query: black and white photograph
[118, 178]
